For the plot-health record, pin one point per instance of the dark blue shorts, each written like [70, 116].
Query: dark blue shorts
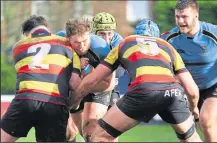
[207, 93]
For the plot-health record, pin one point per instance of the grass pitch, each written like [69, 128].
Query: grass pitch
[141, 133]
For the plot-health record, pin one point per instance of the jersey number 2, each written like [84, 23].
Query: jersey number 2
[36, 60]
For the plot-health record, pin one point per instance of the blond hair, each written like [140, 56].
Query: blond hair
[77, 26]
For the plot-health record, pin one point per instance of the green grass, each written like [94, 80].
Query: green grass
[141, 133]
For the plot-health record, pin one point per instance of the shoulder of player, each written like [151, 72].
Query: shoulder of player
[99, 46]
[209, 30]
[98, 42]
[170, 34]
[57, 37]
[61, 33]
[52, 37]
[116, 39]
[20, 42]
[117, 36]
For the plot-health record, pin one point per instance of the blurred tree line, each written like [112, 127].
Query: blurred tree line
[57, 12]
[164, 13]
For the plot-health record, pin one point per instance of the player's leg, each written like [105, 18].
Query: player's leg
[77, 117]
[92, 112]
[115, 96]
[186, 131]
[75, 123]
[208, 119]
[127, 113]
[208, 115]
[179, 116]
[112, 125]
[95, 107]
[51, 122]
[71, 130]
[16, 122]
[5, 137]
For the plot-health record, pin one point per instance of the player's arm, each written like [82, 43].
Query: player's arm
[74, 80]
[88, 83]
[107, 84]
[187, 82]
[104, 69]
[91, 80]
[190, 87]
[101, 73]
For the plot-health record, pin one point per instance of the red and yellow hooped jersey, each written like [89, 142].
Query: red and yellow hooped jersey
[152, 63]
[44, 65]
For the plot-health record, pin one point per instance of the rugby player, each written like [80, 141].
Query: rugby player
[196, 42]
[94, 49]
[104, 25]
[45, 65]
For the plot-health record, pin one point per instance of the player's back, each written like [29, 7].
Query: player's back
[151, 62]
[43, 63]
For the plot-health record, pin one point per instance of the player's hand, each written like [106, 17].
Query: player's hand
[70, 99]
[76, 100]
[84, 62]
[195, 112]
[75, 105]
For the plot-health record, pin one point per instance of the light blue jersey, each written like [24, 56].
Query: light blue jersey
[99, 46]
[61, 33]
[116, 39]
[198, 53]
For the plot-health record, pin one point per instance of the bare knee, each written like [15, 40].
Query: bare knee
[100, 135]
[190, 135]
[71, 134]
[77, 121]
[208, 114]
[205, 122]
[88, 127]
[100, 138]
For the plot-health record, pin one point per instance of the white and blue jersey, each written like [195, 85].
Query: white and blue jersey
[198, 53]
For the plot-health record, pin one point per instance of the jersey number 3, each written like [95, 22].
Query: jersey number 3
[37, 59]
